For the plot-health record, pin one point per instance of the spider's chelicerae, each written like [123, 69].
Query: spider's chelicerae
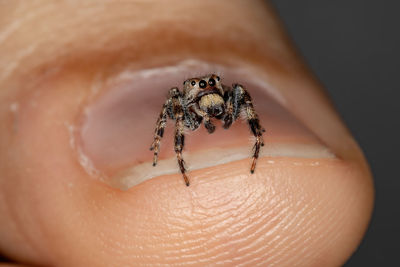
[202, 100]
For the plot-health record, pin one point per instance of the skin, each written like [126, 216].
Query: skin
[54, 214]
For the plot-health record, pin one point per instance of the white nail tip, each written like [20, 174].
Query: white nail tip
[208, 158]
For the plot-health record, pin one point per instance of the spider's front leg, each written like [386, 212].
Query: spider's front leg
[159, 132]
[239, 99]
[161, 123]
[228, 117]
[180, 141]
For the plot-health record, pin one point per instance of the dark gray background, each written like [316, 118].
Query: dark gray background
[353, 48]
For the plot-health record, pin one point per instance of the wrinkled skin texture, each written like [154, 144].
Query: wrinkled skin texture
[54, 214]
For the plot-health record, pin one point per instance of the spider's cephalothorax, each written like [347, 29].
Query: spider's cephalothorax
[202, 99]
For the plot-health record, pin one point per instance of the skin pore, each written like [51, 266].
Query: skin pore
[59, 59]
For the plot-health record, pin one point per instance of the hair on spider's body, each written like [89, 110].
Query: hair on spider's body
[203, 99]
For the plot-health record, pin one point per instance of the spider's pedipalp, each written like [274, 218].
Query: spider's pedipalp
[206, 119]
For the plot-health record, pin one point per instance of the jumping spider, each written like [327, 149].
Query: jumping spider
[202, 99]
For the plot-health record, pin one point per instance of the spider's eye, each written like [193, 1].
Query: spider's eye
[202, 84]
[193, 83]
[218, 78]
[211, 82]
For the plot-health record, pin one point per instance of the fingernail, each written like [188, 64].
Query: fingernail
[118, 126]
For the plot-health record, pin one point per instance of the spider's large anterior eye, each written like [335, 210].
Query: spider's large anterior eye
[193, 83]
[202, 84]
[218, 78]
[211, 82]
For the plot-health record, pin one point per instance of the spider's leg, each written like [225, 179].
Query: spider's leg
[159, 132]
[228, 117]
[180, 142]
[161, 123]
[242, 100]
